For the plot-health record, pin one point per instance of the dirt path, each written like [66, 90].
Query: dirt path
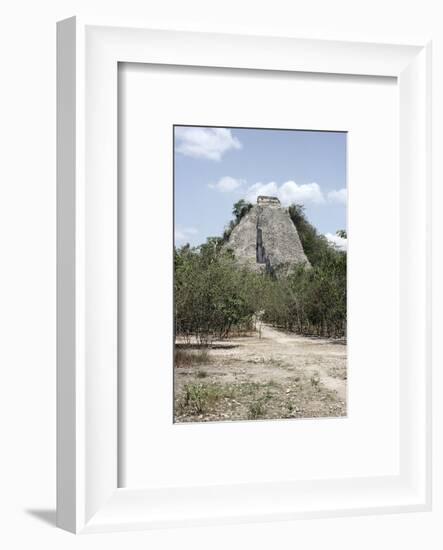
[280, 374]
[315, 354]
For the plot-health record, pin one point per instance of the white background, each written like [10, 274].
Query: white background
[158, 453]
[27, 275]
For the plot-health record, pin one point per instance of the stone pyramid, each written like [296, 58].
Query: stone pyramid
[266, 239]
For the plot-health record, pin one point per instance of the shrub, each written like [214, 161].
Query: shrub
[256, 410]
[199, 398]
[212, 295]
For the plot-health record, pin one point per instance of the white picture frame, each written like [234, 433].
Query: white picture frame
[88, 497]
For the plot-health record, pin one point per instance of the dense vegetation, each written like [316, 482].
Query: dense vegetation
[214, 297]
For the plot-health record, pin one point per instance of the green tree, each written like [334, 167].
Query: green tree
[314, 244]
[240, 209]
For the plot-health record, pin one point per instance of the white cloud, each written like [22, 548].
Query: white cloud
[270, 189]
[183, 234]
[339, 196]
[291, 192]
[339, 242]
[226, 184]
[287, 192]
[209, 143]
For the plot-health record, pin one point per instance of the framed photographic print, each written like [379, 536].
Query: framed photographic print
[243, 278]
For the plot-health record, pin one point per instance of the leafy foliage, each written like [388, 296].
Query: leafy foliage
[212, 295]
[314, 244]
[311, 301]
[239, 210]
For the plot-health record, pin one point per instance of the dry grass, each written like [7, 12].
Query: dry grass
[186, 358]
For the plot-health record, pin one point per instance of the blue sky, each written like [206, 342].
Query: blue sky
[215, 167]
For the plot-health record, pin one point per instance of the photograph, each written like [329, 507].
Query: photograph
[260, 278]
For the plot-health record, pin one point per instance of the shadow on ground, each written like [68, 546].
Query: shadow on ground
[203, 347]
[45, 515]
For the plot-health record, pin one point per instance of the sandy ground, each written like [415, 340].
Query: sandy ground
[277, 375]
